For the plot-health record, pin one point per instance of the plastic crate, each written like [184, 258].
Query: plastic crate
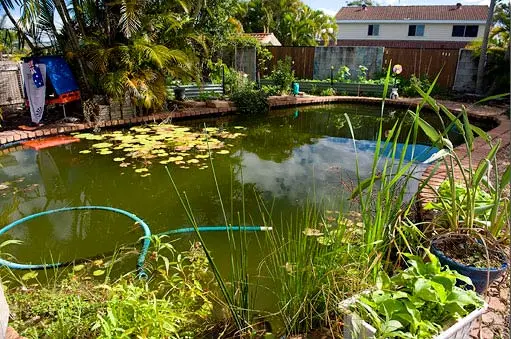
[356, 328]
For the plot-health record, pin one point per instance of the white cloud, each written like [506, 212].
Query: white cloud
[328, 11]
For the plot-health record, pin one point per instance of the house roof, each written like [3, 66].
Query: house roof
[265, 38]
[447, 13]
[404, 43]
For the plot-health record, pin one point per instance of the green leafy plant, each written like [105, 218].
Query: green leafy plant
[418, 302]
[327, 92]
[250, 101]
[344, 74]
[362, 73]
[283, 75]
[208, 95]
[472, 197]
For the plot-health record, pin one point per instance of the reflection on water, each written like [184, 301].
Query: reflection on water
[287, 158]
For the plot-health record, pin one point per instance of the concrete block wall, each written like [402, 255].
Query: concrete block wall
[338, 56]
[466, 72]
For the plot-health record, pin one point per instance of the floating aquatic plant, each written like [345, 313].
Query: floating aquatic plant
[166, 143]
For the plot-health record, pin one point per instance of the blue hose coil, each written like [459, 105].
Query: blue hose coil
[141, 258]
[145, 242]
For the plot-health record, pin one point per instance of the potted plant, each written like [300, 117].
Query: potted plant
[471, 211]
[421, 301]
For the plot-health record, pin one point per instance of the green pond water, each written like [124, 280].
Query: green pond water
[288, 158]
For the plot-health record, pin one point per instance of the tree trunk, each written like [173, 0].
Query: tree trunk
[60, 5]
[21, 34]
[79, 16]
[484, 48]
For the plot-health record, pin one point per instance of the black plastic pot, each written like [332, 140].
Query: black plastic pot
[179, 93]
[479, 276]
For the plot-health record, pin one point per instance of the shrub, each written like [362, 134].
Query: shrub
[344, 74]
[270, 90]
[249, 100]
[208, 95]
[283, 76]
[327, 92]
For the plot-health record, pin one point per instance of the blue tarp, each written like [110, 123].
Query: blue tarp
[417, 153]
[59, 73]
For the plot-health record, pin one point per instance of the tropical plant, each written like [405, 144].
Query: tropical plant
[249, 100]
[462, 200]
[382, 197]
[283, 75]
[418, 302]
[344, 74]
[292, 22]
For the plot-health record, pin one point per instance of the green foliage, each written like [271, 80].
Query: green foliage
[344, 74]
[292, 22]
[362, 73]
[327, 92]
[270, 90]
[315, 261]
[250, 101]
[208, 95]
[408, 86]
[283, 75]
[418, 302]
[473, 199]
[382, 196]
[80, 303]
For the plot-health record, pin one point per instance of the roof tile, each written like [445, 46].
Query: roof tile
[464, 13]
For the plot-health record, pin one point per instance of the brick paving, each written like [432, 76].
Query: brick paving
[495, 321]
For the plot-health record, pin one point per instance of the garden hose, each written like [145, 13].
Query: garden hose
[145, 242]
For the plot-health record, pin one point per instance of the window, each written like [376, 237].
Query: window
[416, 30]
[465, 31]
[471, 31]
[373, 30]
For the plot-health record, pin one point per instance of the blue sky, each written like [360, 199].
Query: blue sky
[332, 6]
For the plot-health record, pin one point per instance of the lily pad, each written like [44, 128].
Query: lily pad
[85, 151]
[29, 275]
[141, 170]
[224, 151]
[78, 268]
[98, 273]
[119, 159]
[102, 145]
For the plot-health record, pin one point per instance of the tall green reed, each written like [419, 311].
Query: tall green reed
[387, 229]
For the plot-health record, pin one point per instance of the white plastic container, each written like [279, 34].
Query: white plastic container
[356, 328]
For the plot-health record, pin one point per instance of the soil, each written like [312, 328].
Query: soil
[469, 252]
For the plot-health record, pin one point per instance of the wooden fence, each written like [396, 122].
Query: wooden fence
[427, 62]
[416, 61]
[303, 60]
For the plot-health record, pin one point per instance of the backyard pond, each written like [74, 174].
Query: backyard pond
[286, 160]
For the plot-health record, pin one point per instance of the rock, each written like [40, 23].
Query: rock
[217, 104]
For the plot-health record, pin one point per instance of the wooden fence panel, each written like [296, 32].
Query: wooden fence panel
[427, 62]
[303, 58]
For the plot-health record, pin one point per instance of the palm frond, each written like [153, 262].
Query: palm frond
[129, 22]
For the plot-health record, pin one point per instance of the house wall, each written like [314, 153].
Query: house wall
[399, 31]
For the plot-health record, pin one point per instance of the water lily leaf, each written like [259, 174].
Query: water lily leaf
[239, 127]
[184, 167]
[105, 152]
[141, 170]
[78, 268]
[119, 159]
[145, 175]
[193, 161]
[124, 164]
[224, 151]
[98, 273]
[202, 156]
[29, 275]
[85, 151]
[97, 262]
[102, 145]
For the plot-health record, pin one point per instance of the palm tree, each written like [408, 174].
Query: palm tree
[7, 6]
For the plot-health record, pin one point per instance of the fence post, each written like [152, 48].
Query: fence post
[332, 76]
[223, 79]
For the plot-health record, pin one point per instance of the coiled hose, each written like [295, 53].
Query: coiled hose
[145, 242]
